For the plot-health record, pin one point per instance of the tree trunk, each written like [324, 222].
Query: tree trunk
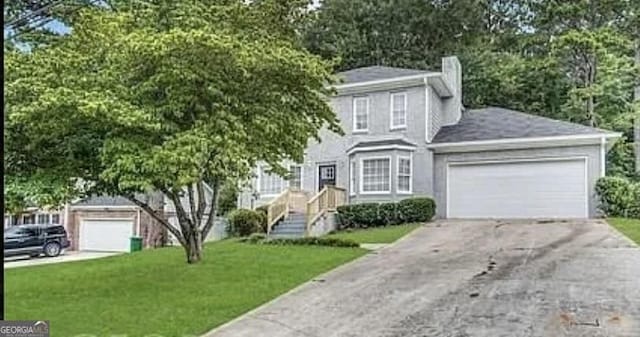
[193, 248]
[156, 234]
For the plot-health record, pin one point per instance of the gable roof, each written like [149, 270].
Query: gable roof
[104, 200]
[498, 123]
[373, 73]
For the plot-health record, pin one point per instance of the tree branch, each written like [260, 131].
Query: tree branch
[158, 218]
[202, 201]
[215, 186]
[192, 206]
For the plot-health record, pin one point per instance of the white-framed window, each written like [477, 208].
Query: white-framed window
[42, 219]
[269, 183]
[404, 174]
[295, 177]
[398, 110]
[360, 114]
[55, 219]
[375, 175]
[352, 178]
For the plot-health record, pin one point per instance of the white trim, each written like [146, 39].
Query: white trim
[353, 113]
[603, 156]
[517, 160]
[360, 181]
[353, 166]
[442, 87]
[427, 101]
[398, 158]
[525, 140]
[393, 127]
[381, 147]
[109, 219]
[385, 81]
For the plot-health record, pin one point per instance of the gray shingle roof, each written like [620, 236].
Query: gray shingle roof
[499, 123]
[381, 142]
[104, 200]
[373, 73]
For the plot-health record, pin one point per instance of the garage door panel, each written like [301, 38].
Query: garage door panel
[105, 235]
[522, 189]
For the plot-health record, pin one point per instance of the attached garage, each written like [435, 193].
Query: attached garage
[108, 235]
[524, 188]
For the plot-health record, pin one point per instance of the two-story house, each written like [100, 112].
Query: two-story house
[407, 134]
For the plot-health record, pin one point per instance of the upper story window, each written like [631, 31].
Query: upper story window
[398, 110]
[360, 114]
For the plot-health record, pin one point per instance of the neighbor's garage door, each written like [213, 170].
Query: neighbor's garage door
[518, 189]
[105, 235]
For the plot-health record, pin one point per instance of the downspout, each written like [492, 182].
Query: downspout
[603, 156]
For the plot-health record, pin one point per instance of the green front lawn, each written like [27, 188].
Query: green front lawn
[155, 292]
[628, 227]
[385, 234]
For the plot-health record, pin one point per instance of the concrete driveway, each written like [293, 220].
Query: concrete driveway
[470, 278]
[24, 261]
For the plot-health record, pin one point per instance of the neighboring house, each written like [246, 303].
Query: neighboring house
[106, 223]
[407, 134]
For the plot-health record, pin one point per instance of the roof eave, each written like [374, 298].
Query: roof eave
[434, 79]
[525, 143]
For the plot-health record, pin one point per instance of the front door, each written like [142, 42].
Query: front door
[326, 175]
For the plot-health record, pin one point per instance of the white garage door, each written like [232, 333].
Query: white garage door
[105, 235]
[518, 189]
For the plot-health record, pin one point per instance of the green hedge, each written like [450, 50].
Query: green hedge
[374, 214]
[619, 197]
[244, 222]
[259, 238]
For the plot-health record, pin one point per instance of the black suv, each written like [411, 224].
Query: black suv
[34, 240]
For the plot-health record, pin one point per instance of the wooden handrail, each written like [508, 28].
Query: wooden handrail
[278, 208]
[328, 199]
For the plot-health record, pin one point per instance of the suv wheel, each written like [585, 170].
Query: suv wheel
[52, 249]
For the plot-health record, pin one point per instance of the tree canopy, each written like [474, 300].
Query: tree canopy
[128, 103]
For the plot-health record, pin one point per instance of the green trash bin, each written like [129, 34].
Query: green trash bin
[136, 244]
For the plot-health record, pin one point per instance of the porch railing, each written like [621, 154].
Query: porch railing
[328, 199]
[278, 208]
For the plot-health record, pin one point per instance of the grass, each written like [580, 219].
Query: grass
[385, 234]
[155, 292]
[628, 227]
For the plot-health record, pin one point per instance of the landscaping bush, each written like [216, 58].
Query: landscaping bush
[306, 241]
[262, 210]
[358, 215]
[619, 197]
[416, 209]
[243, 222]
[388, 214]
[371, 214]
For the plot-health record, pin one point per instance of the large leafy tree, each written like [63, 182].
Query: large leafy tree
[190, 94]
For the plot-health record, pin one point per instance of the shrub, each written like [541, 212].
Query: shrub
[358, 215]
[416, 209]
[619, 197]
[388, 214]
[370, 214]
[262, 210]
[306, 241]
[243, 222]
[228, 199]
